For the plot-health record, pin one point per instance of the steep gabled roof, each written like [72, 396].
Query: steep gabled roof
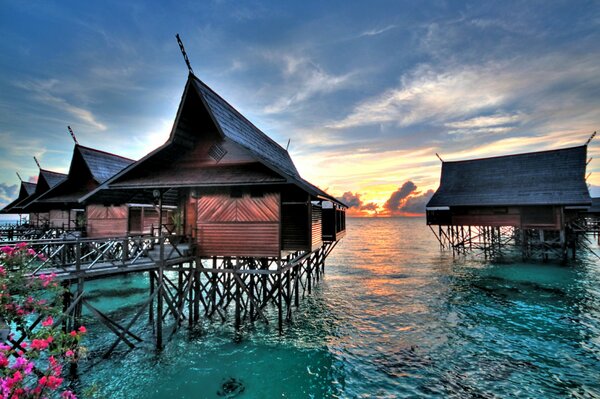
[87, 164]
[47, 179]
[51, 178]
[232, 126]
[555, 177]
[26, 189]
[235, 126]
[103, 165]
[29, 187]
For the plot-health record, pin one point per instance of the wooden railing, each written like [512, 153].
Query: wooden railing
[72, 257]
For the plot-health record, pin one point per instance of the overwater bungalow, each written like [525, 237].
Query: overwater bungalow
[89, 168]
[25, 190]
[46, 181]
[538, 192]
[237, 192]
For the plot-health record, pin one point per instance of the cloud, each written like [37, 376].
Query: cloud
[352, 200]
[356, 205]
[302, 80]
[473, 96]
[375, 32]
[44, 92]
[7, 193]
[416, 203]
[407, 201]
[397, 198]
[498, 123]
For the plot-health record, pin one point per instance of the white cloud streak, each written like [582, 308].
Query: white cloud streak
[446, 96]
[44, 92]
[303, 79]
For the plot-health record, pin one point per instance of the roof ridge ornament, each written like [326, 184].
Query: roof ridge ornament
[440, 158]
[19, 176]
[185, 57]
[73, 135]
[591, 138]
[37, 162]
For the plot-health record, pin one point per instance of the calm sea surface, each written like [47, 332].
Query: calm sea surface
[392, 318]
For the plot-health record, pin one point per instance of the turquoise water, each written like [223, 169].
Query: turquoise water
[393, 317]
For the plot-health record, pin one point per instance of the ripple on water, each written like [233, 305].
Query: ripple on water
[393, 317]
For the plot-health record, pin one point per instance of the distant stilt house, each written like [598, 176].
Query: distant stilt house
[26, 189]
[530, 199]
[592, 218]
[45, 182]
[89, 168]
[236, 191]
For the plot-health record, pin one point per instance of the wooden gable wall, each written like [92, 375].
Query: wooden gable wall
[106, 221]
[235, 225]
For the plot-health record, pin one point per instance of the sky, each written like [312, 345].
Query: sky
[366, 92]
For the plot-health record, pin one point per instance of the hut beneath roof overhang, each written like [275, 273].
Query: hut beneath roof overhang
[89, 168]
[237, 191]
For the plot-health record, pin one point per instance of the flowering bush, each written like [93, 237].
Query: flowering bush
[31, 364]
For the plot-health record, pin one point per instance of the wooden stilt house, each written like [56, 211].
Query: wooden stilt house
[89, 168]
[539, 191]
[46, 181]
[237, 192]
[534, 190]
[25, 190]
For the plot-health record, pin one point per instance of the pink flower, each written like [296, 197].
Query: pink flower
[21, 245]
[39, 344]
[69, 353]
[48, 322]
[68, 395]
[31, 251]
[51, 382]
[82, 329]
[7, 250]
[73, 333]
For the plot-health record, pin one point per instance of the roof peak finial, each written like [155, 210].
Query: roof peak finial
[72, 135]
[185, 57]
[440, 158]
[37, 162]
[19, 176]
[591, 138]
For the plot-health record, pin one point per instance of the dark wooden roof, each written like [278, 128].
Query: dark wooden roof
[103, 165]
[26, 189]
[555, 177]
[235, 126]
[204, 116]
[52, 178]
[89, 168]
[47, 180]
[29, 187]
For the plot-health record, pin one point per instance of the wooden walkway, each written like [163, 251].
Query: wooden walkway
[197, 287]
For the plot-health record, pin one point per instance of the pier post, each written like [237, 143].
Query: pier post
[161, 264]
[151, 304]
